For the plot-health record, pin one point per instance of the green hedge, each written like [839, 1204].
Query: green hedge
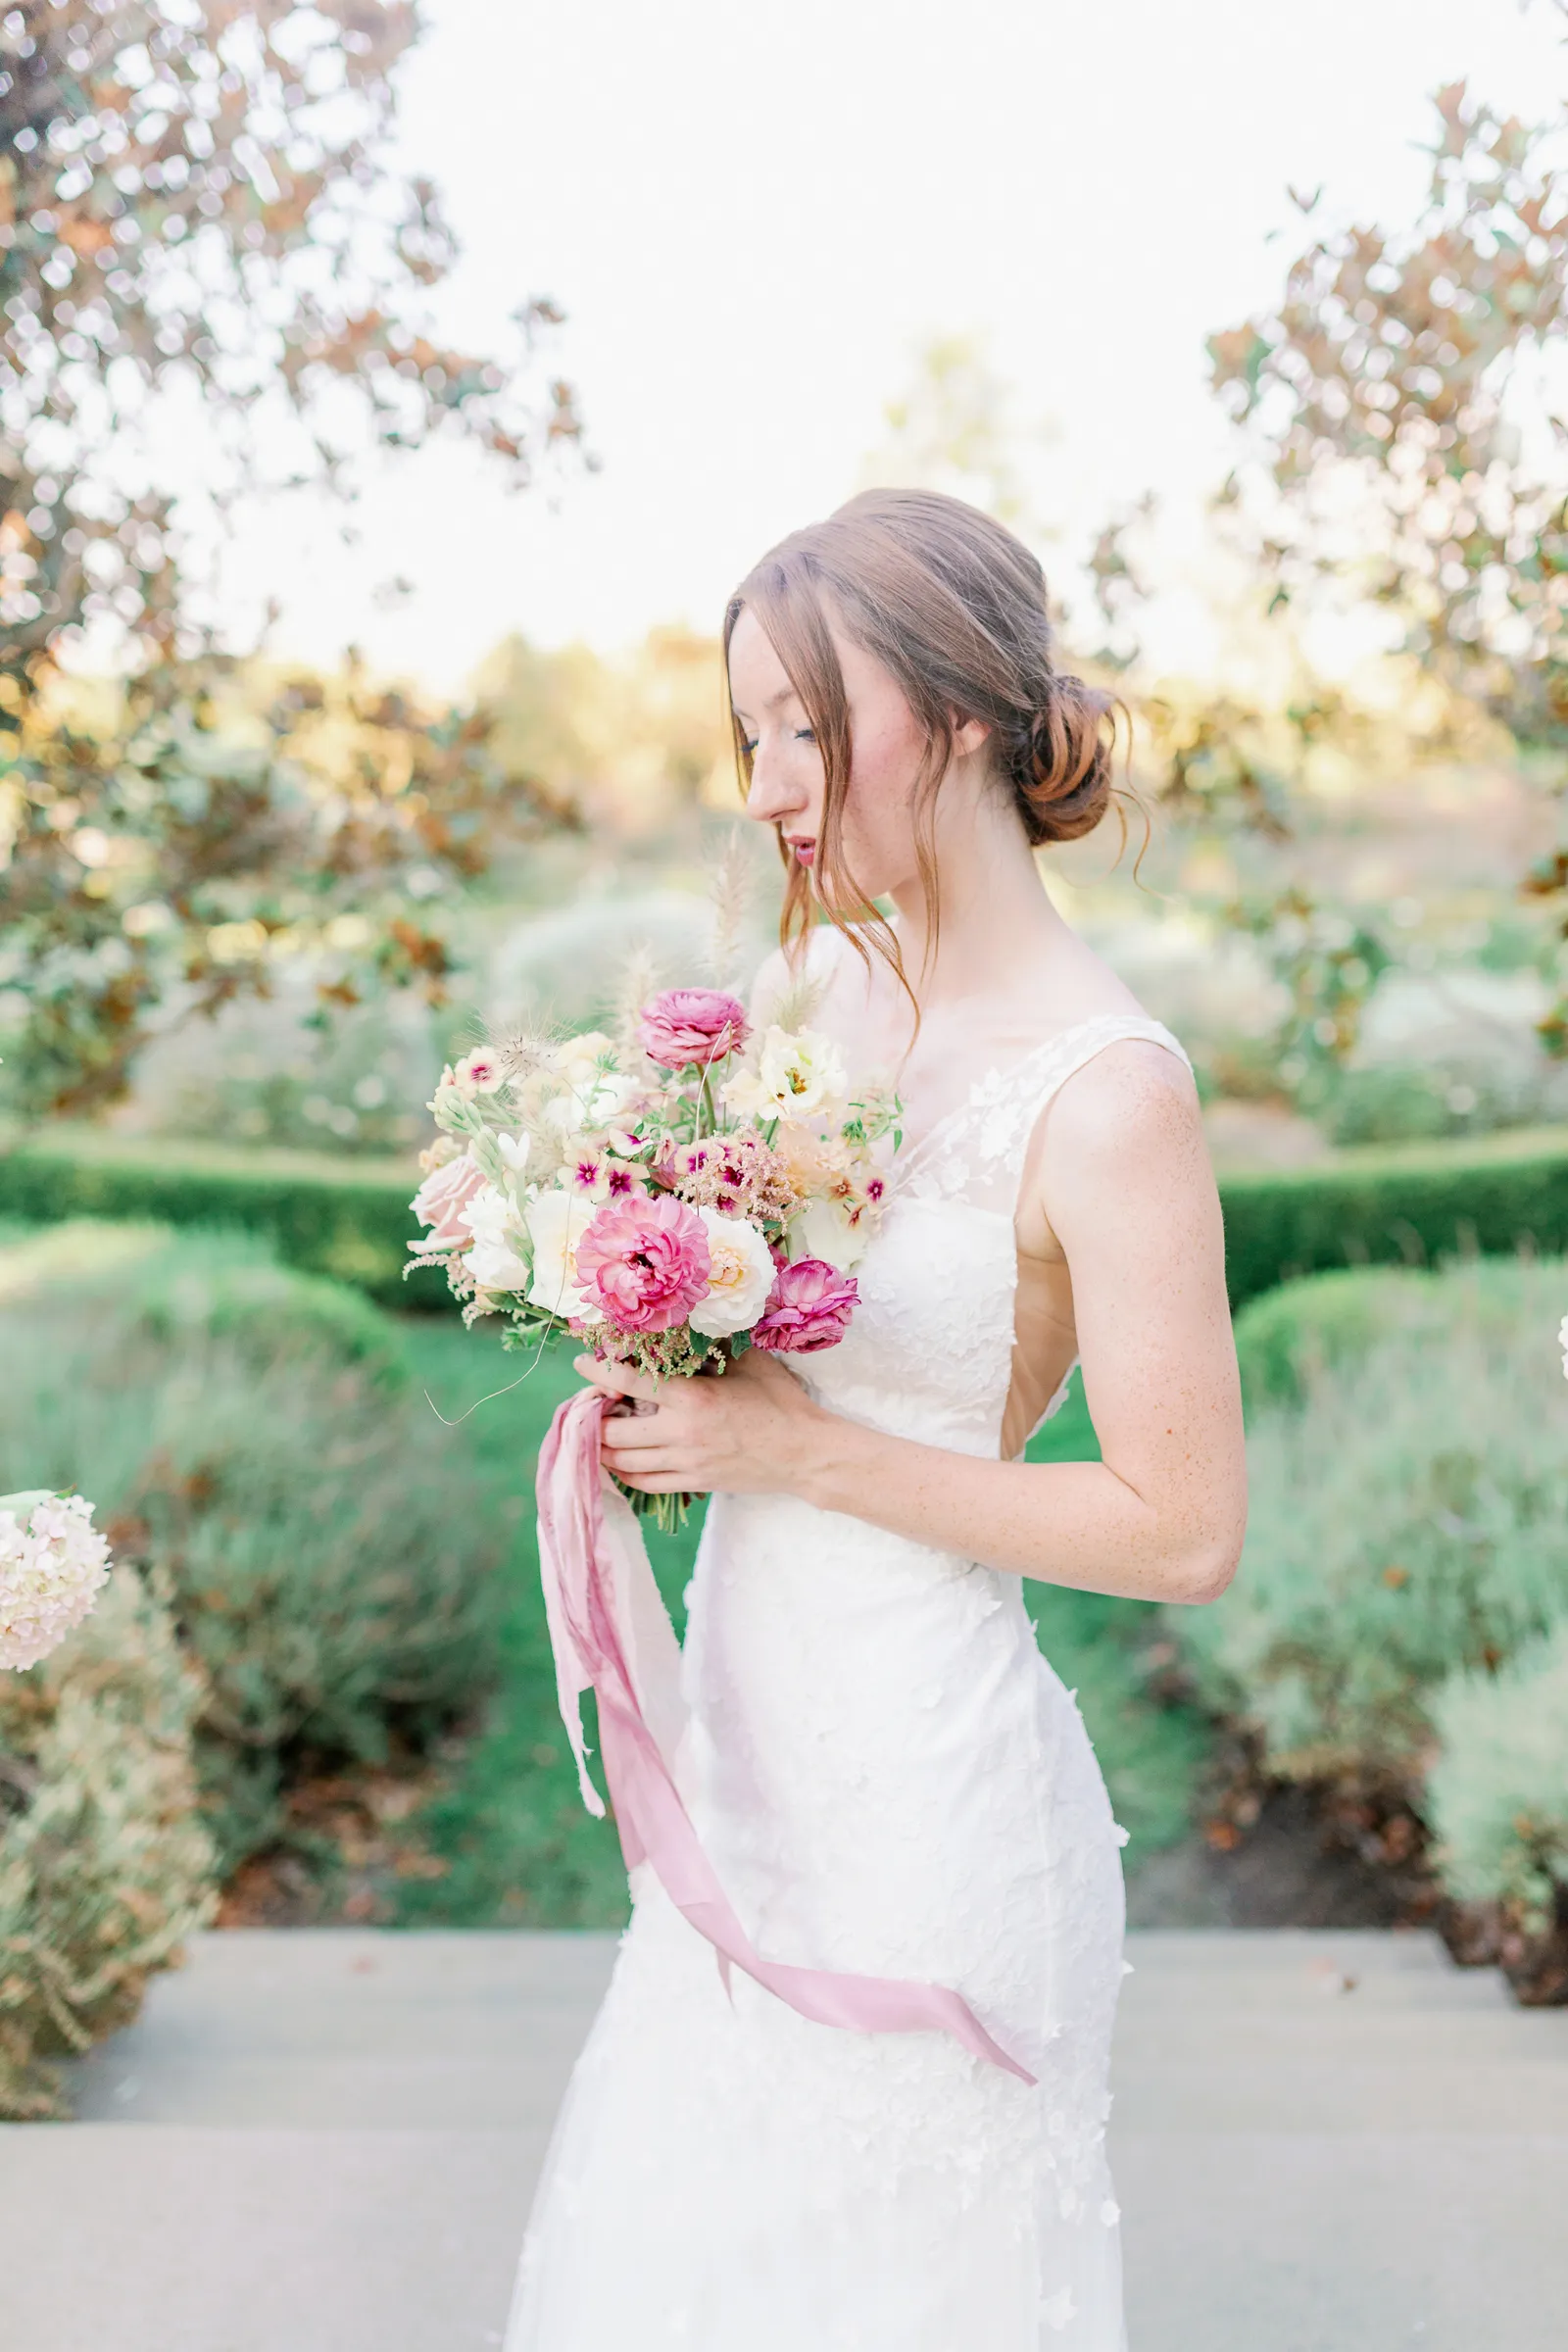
[1413, 1205]
[342, 1217]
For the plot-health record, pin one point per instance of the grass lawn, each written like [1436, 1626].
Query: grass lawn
[510, 1827]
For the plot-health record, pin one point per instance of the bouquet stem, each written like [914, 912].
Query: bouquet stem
[668, 1512]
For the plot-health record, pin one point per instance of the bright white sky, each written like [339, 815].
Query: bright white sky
[755, 210]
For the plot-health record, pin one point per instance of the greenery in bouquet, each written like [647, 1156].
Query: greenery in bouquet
[669, 1197]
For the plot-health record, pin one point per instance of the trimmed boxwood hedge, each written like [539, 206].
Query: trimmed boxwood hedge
[349, 1218]
[1414, 1204]
[346, 1218]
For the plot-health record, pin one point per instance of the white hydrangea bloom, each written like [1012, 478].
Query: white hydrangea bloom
[53, 1564]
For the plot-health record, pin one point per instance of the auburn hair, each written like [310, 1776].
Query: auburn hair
[955, 608]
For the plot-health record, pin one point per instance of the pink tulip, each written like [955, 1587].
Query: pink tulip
[692, 1024]
[644, 1262]
[809, 1307]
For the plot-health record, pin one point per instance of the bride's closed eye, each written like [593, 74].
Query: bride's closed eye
[802, 735]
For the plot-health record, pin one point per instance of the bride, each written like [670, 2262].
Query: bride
[887, 1776]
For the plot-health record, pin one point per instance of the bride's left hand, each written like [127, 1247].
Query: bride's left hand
[741, 1432]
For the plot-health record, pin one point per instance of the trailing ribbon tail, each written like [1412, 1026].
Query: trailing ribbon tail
[611, 1633]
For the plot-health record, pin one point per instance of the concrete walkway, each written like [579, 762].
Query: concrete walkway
[324, 2141]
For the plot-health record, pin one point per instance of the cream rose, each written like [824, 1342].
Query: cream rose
[557, 1223]
[740, 1275]
[594, 1100]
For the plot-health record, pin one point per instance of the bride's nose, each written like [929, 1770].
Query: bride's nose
[772, 794]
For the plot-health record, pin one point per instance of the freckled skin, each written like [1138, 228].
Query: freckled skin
[1120, 1248]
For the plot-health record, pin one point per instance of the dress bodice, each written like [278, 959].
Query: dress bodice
[928, 1353]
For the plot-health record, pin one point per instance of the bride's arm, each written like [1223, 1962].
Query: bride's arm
[1124, 1179]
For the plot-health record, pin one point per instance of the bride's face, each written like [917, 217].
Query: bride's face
[788, 784]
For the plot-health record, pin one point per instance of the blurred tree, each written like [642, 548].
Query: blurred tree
[168, 852]
[1408, 448]
[955, 429]
[1396, 402]
[633, 738]
[200, 236]
[198, 215]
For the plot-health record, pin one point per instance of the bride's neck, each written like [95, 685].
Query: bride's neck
[994, 921]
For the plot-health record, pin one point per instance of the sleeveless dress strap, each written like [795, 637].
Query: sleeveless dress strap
[977, 1154]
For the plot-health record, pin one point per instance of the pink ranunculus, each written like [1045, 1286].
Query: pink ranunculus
[644, 1262]
[692, 1024]
[441, 1201]
[809, 1307]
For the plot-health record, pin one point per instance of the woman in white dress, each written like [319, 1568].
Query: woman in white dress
[885, 1772]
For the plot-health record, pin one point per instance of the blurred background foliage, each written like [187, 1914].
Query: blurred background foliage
[249, 905]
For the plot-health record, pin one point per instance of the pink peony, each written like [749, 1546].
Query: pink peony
[441, 1201]
[809, 1307]
[692, 1024]
[644, 1262]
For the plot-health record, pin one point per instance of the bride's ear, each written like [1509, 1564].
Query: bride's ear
[969, 734]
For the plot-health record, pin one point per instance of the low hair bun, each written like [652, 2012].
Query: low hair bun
[1063, 773]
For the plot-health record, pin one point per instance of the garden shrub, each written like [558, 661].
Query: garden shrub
[152, 1284]
[1497, 1794]
[330, 1552]
[104, 1864]
[1315, 1327]
[228, 1286]
[347, 1219]
[1419, 1206]
[1325, 1323]
[1408, 1514]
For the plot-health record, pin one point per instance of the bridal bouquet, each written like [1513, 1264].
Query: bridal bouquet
[53, 1563]
[671, 1200]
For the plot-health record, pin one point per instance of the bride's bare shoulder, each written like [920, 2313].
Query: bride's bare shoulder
[1134, 1103]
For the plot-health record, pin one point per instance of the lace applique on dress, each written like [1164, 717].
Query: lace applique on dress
[977, 1152]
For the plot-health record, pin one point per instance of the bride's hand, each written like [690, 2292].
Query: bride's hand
[744, 1432]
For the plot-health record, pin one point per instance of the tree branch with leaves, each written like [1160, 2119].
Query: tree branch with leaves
[200, 219]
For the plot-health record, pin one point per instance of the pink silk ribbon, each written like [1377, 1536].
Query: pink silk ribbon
[611, 1633]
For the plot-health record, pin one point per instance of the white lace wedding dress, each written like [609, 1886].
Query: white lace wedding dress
[889, 1778]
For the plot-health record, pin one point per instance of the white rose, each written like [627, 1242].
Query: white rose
[556, 1223]
[740, 1276]
[823, 1230]
[578, 1058]
[596, 1099]
[798, 1071]
[494, 1222]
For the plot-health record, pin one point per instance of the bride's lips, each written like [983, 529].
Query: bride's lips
[805, 850]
